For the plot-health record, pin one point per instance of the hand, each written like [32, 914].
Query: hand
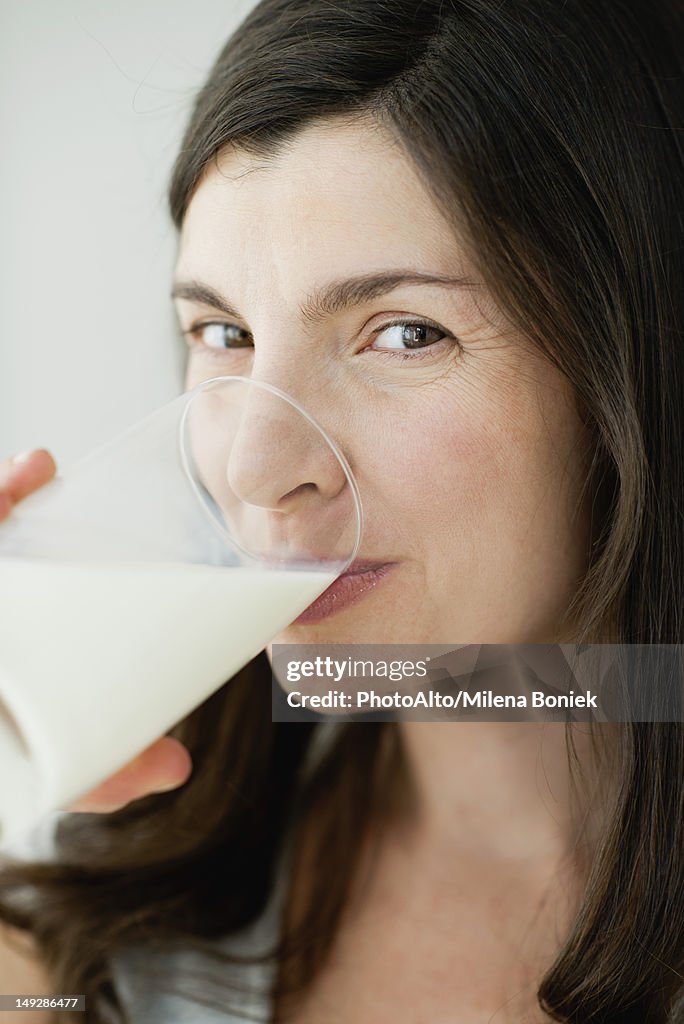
[166, 763]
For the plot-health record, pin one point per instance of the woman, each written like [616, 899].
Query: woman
[495, 192]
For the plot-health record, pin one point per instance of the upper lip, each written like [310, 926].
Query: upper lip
[364, 565]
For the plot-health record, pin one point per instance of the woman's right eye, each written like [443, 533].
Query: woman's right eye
[217, 335]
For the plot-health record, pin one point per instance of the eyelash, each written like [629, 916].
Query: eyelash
[406, 354]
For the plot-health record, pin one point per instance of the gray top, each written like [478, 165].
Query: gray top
[144, 980]
[150, 1000]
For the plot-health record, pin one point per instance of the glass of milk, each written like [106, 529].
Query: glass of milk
[137, 584]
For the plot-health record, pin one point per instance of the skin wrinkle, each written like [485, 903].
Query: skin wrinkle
[470, 462]
[327, 302]
[489, 363]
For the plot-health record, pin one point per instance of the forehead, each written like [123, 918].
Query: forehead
[336, 196]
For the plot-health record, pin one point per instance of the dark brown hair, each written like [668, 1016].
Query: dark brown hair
[551, 134]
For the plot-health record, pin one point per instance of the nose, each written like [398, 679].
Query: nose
[278, 459]
[282, 488]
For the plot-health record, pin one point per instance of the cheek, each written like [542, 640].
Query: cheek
[434, 465]
[479, 480]
[191, 377]
[208, 429]
[197, 370]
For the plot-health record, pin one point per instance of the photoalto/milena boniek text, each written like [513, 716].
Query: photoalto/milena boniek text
[462, 699]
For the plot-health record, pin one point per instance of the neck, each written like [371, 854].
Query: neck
[500, 791]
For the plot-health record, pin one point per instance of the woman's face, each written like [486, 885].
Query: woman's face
[464, 441]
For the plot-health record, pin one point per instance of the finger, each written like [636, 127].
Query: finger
[164, 765]
[6, 505]
[19, 479]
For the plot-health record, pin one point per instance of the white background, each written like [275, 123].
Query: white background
[94, 96]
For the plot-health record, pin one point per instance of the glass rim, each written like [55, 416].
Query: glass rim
[339, 455]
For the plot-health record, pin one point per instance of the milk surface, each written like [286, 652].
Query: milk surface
[99, 660]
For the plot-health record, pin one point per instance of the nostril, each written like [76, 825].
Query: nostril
[297, 491]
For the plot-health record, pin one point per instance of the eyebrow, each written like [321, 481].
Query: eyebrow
[332, 298]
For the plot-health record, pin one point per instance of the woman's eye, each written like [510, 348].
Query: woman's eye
[409, 334]
[218, 335]
[402, 335]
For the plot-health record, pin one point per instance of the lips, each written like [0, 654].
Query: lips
[360, 578]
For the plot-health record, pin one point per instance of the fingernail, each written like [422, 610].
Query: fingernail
[22, 457]
[165, 787]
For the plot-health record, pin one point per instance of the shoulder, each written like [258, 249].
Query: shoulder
[21, 973]
[21, 969]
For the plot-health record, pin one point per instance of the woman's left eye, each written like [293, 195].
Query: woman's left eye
[407, 335]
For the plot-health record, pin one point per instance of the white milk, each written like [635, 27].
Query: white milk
[97, 661]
